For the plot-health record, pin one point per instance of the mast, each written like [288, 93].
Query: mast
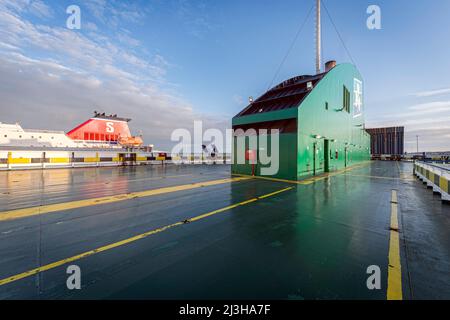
[318, 38]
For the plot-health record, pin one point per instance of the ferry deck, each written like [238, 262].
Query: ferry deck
[196, 232]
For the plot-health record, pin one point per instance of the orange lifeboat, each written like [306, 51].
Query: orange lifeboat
[131, 141]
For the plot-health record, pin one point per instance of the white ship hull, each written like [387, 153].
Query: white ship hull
[102, 146]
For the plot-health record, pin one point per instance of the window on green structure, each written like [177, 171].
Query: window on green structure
[346, 100]
[326, 105]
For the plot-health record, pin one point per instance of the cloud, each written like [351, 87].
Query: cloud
[430, 139]
[8, 46]
[90, 26]
[194, 16]
[128, 40]
[35, 7]
[114, 13]
[95, 52]
[59, 98]
[430, 121]
[432, 93]
[83, 72]
[430, 106]
[436, 108]
[40, 9]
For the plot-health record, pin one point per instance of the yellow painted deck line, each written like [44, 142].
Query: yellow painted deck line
[266, 178]
[132, 239]
[32, 211]
[379, 177]
[394, 290]
[336, 173]
[105, 182]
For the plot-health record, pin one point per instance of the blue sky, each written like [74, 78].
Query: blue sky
[166, 63]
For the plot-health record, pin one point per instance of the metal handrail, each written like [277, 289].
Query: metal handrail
[433, 165]
[43, 131]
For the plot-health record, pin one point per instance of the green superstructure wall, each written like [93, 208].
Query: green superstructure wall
[287, 145]
[287, 162]
[317, 126]
[345, 132]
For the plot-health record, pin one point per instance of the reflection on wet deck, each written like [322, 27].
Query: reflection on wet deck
[247, 238]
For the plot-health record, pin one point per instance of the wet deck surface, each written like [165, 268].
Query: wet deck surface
[314, 241]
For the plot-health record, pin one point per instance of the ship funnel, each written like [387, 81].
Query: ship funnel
[330, 65]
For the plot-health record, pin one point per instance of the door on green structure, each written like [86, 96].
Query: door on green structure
[326, 155]
[345, 156]
[314, 158]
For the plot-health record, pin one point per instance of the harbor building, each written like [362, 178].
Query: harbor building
[387, 143]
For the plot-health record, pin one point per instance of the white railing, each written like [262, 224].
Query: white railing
[436, 176]
[200, 159]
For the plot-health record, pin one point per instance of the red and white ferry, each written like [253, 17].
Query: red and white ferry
[102, 140]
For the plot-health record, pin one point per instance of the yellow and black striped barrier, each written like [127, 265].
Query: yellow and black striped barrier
[435, 177]
[15, 159]
[22, 160]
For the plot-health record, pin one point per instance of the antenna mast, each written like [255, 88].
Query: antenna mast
[318, 38]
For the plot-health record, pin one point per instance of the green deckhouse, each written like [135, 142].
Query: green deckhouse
[320, 120]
